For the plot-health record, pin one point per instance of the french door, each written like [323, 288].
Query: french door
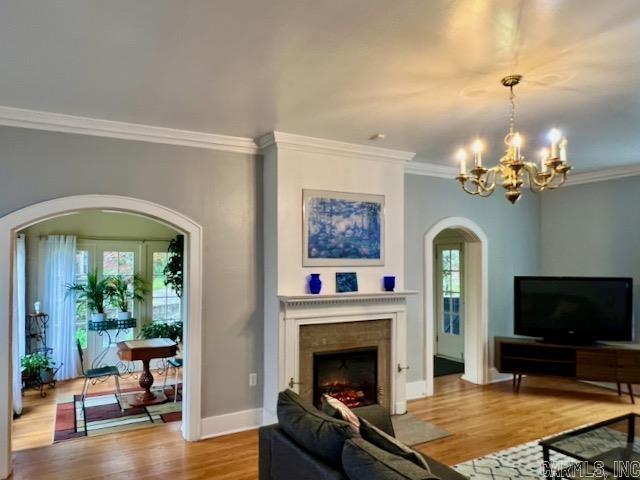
[450, 303]
[109, 258]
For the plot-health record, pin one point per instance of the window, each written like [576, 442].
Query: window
[166, 304]
[119, 264]
[451, 290]
[82, 269]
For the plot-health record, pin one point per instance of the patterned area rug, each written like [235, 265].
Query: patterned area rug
[524, 462]
[104, 415]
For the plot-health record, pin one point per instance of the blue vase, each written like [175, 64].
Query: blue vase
[315, 284]
[389, 284]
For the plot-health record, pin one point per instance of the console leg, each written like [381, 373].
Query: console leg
[519, 382]
[633, 400]
[514, 382]
[619, 390]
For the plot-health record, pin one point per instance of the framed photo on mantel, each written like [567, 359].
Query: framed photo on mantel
[342, 229]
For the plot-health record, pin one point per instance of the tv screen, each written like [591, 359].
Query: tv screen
[584, 308]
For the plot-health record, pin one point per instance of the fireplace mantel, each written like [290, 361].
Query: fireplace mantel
[282, 341]
[344, 298]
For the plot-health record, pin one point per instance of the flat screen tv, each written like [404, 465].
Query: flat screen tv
[584, 309]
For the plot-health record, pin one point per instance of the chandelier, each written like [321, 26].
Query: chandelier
[512, 171]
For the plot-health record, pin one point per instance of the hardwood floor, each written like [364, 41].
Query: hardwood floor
[482, 419]
[36, 425]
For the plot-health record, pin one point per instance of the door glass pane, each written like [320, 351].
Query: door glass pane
[447, 323]
[446, 262]
[455, 282]
[82, 268]
[166, 304]
[455, 259]
[120, 264]
[109, 263]
[451, 290]
[446, 281]
[455, 325]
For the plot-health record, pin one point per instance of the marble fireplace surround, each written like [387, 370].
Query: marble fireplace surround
[299, 310]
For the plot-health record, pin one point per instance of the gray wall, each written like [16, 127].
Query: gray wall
[513, 233]
[220, 190]
[593, 229]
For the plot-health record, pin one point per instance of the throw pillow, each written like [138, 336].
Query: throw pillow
[362, 460]
[313, 430]
[336, 409]
[380, 439]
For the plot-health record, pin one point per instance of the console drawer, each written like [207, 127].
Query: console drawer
[629, 366]
[596, 365]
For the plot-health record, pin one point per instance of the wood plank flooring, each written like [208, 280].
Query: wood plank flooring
[36, 425]
[482, 419]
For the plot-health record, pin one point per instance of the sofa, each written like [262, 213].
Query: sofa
[281, 457]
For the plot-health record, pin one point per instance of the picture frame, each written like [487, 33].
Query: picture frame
[346, 282]
[342, 229]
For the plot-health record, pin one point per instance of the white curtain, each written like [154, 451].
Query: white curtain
[58, 261]
[19, 314]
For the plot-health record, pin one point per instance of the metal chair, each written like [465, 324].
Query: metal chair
[176, 363]
[95, 373]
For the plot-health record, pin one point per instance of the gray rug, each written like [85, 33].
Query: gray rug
[411, 431]
[524, 462]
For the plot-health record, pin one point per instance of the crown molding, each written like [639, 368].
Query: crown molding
[56, 122]
[603, 175]
[302, 143]
[430, 170]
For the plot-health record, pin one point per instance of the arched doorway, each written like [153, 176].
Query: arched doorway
[192, 307]
[476, 299]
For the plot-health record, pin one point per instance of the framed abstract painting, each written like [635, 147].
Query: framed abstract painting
[342, 229]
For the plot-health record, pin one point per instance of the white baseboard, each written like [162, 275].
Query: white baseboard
[231, 423]
[495, 376]
[416, 390]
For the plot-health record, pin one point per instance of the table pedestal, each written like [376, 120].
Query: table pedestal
[147, 397]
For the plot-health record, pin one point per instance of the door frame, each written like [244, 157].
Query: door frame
[476, 286]
[191, 308]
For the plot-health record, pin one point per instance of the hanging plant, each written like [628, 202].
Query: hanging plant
[174, 269]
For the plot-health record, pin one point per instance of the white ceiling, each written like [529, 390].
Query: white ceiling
[425, 72]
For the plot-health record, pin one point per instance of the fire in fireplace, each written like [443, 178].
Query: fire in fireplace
[351, 376]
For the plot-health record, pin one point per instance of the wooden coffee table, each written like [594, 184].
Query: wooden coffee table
[145, 351]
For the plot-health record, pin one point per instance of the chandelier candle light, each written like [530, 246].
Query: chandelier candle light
[513, 171]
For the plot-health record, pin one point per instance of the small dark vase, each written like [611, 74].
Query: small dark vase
[315, 284]
[389, 284]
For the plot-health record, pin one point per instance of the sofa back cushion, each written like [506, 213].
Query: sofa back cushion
[386, 442]
[313, 430]
[362, 460]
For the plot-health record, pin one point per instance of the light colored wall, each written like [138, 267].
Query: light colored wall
[220, 190]
[306, 170]
[594, 229]
[88, 224]
[287, 172]
[513, 232]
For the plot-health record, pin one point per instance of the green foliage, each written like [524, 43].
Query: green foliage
[94, 293]
[33, 363]
[81, 336]
[171, 330]
[175, 264]
[120, 291]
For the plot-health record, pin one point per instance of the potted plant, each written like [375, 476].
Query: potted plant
[94, 292]
[172, 330]
[37, 367]
[121, 291]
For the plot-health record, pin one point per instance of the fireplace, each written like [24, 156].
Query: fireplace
[351, 376]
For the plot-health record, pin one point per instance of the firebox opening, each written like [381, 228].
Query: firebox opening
[351, 376]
